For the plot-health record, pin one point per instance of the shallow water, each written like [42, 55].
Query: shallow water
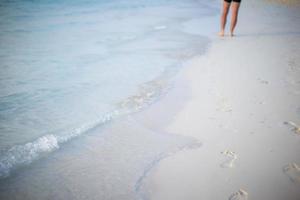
[69, 68]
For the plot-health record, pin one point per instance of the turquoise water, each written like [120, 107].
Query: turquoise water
[68, 67]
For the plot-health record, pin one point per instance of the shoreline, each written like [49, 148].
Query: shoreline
[106, 161]
[145, 93]
[178, 146]
[244, 112]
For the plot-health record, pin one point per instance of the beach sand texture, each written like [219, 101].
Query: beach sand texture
[243, 105]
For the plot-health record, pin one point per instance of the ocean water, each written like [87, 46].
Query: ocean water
[71, 68]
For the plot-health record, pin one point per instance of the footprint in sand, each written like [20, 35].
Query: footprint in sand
[229, 163]
[239, 195]
[294, 126]
[224, 105]
[292, 170]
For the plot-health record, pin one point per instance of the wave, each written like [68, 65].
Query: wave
[25, 154]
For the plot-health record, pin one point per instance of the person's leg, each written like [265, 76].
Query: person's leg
[225, 10]
[234, 17]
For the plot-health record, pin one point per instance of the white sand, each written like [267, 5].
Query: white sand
[236, 100]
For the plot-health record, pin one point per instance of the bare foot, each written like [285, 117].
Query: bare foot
[231, 34]
[221, 33]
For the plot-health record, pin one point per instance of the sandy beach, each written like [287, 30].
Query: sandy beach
[141, 100]
[241, 101]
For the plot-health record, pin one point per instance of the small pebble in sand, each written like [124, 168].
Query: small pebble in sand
[263, 81]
